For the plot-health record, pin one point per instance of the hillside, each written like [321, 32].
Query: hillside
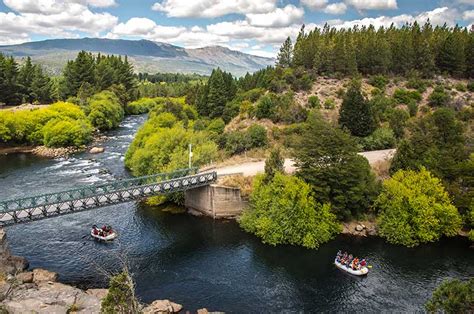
[147, 56]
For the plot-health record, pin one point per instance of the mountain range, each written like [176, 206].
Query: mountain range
[146, 56]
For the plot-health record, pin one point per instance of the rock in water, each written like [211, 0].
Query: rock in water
[96, 150]
[162, 307]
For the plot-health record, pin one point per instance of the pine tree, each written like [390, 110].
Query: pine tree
[25, 79]
[216, 97]
[285, 56]
[451, 57]
[355, 113]
[273, 164]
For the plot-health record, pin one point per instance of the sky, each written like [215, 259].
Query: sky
[253, 26]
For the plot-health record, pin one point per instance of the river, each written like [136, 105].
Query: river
[199, 262]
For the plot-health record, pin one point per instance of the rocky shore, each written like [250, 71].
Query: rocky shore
[38, 291]
[360, 228]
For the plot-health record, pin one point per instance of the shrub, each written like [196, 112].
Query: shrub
[415, 82]
[470, 86]
[285, 212]
[329, 103]
[379, 81]
[439, 97]
[381, 107]
[397, 120]
[273, 164]
[452, 297]
[414, 208]
[105, 111]
[382, 138]
[403, 96]
[460, 87]
[313, 101]
[120, 297]
[257, 135]
[265, 108]
[140, 106]
[216, 126]
[412, 108]
[67, 132]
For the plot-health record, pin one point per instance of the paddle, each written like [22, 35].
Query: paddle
[369, 266]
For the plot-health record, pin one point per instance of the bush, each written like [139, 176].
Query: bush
[313, 101]
[414, 208]
[403, 96]
[120, 297]
[470, 86]
[379, 81]
[105, 111]
[415, 82]
[265, 108]
[329, 103]
[381, 107]
[140, 106]
[216, 126]
[284, 212]
[161, 145]
[452, 297]
[460, 87]
[257, 136]
[412, 108]
[439, 97]
[382, 138]
[68, 132]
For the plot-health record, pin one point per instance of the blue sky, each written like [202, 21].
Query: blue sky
[254, 26]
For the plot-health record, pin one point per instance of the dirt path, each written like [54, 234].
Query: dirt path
[253, 168]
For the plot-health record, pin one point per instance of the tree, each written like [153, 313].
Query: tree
[274, 164]
[327, 160]
[414, 208]
[355, 113]
[120, 297]
[451, 57]
[285, 212]
[285, 56]
[452, 297]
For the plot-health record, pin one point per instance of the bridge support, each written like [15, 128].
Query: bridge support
[215, 201]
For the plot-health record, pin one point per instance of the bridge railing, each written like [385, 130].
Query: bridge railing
[88, 191]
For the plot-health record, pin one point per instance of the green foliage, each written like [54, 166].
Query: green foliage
[460, 87]
[452, 297]
[213, 96]
[379, 81]
[327, 160]
[280, 108]
[416, 82]
[381, 107]
[355, 113]
[237, 142]
[105, 111]
[314, 102]
[439, 97]
[273, 164]
[470, 86]
[403, 96]
[284, 211]
[120, 297]
[161, 145]
[140, 106]
[216, 126]
[398, 119]
[53, 126]
[285, 56]
[265, 108]
[67, 132]
[414, 208]
[382, 138]
[101, 72]
[329, 104]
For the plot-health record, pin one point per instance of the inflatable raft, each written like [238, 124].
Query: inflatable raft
[359, 272]
[111, 235]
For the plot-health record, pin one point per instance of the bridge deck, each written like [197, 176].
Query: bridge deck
[53, 204]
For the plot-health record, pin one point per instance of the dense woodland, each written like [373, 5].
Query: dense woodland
[396, 90]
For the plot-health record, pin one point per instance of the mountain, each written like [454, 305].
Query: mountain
[147, 56]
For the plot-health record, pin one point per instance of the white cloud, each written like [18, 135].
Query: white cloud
[468, 15]
[469, 2]
[213, 8]
[373, 4]
[278, 18]
[315, 4]
[335, 8]
[437, 16]
[145, 28]
[101, 3]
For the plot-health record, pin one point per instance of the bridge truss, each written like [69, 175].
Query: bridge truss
[43, 206]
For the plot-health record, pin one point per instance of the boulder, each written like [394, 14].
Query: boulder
[98, 293]
[12, 264]
[162, 307]
[96, 150]
[26, 277]
[202, 311]
[359, 228]
[41, 276]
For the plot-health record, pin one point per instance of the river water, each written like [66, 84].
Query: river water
[199, 262]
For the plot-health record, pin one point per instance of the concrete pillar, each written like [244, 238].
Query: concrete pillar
[215, 201]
